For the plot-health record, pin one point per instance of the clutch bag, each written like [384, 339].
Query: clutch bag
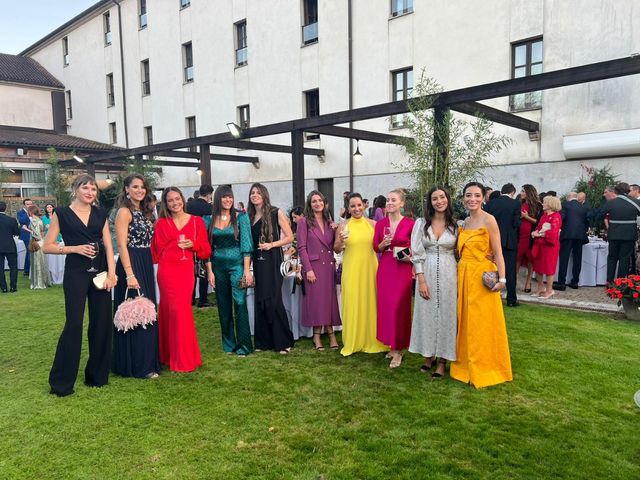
[489, 279]
[99, 280]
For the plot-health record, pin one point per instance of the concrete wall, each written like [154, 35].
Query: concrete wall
[24, 106]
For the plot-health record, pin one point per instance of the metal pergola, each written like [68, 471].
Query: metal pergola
[463, 100]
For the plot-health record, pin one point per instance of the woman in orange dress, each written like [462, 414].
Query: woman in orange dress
[482, 346]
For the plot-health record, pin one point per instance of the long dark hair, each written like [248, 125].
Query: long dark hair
[297, 210]
[430, 212]
[308, 211]
[474, 184]
[123, 200]
[221, 192]
[267, 209]
[164, 210]
[532, 199]
[46, 214]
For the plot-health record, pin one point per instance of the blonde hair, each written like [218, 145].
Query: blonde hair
[552, 203]
[401, 193]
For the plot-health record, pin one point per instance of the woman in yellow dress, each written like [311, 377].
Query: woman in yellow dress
[359, 267]
[482, 345]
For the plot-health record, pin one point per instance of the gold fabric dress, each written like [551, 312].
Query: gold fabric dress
[482, 344]
[359, 266]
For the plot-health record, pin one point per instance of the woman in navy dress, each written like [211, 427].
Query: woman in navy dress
[135, 352]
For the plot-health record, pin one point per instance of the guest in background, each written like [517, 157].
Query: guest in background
[494, 194]
[39, 271]
[392, 239]
[270, 231]
[8, 230]
[135, 352]
[177, 237]
[46, 218]
[572, 237]
[582, 198]
[359, 317]
[506, 210]
[295, 215]
[530, 212]
[482, 345]
[344, 210]
[240, 208]
[315, 248]
[88, 249]
[25, 233]
[379, 208]
[433, 243]
[230, 237]
[634, 191]
[488, 191]
[201, 207]
[546, 246]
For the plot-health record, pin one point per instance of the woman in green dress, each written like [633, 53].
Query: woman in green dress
[230, 236]
[39, 271]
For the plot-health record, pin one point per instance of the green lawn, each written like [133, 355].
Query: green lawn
[569, 412]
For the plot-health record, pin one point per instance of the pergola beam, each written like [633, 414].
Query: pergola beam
[267, 147]
[367, 135]
[497, 116]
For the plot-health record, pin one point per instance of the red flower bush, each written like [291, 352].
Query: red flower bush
[625, 287]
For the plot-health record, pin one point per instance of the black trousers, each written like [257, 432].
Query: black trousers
[12, 260]
[78, 287]
[620, 252]
[568, 248]
[510, 261]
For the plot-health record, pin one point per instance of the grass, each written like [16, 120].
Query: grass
[568, 413]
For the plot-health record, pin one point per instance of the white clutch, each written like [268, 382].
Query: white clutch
[99, 280]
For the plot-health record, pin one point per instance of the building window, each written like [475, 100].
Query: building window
[111, 98]
[526, 58]
[402, 86]
[185, 3]
[312, 106]
[142, 8]
[310, 21]
[191, 131]
[187, 61]
[401, 7]
[106, 19]
[241, 43]
[67, 95]
[244, 116]
[113, 133]
[34, 176]
[65, 51]
[148, 135]
[146, 79]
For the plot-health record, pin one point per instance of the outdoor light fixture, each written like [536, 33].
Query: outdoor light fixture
[199, 172]
[78, 159]
[108, 180]
[357, 156]
[12, 170]
[234, 129]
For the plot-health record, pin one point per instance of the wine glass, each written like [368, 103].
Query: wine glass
[96, 249]
[387, 232]
[182, 238]
[262, 239]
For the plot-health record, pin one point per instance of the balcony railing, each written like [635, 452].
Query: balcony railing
[241, 56]
[310, 33]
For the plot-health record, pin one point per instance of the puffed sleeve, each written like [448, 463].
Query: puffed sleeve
[302, 234]
[378, 235]
[202, 247]
[244, 231]
[418, 253]
[158, 240]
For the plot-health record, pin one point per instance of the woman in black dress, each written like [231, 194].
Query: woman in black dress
[87, 245]
[135, 352]
[270, 230]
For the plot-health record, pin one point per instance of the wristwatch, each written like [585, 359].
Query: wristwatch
[502, 280]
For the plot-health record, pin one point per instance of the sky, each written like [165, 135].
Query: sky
[24, 22]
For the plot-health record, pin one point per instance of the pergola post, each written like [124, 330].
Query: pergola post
[205, 164]
[297, 166]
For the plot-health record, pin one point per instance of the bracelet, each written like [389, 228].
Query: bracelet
[502, 280]
[60, 248]
[129, 276]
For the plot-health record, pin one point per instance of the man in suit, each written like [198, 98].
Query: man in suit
[8, 230]
[506, 211]
[623, 231]
[25, 233]
[572, 237]
[201, 207]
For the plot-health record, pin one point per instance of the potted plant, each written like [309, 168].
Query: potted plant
[627, 291]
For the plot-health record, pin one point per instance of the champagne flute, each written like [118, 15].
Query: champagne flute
[95, 254]
[261, 240]
[182, 238]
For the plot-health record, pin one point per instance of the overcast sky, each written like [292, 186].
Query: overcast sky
[24, 22]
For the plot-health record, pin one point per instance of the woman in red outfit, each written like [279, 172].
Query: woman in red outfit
[546, 245]
[530, 211]
[177, 237]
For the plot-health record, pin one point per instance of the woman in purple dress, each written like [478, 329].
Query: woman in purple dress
[315, 248]
[392, 239]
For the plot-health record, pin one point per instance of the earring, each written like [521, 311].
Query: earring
[128, 196]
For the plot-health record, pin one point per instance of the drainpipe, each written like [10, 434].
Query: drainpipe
[124, 91]
[350, 42]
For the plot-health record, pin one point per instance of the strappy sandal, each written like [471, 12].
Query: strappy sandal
[316, 347]
[333, 341]
[396, 361]
[428, 366]
[437, 375]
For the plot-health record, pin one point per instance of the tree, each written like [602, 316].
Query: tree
[58, 180]
[147, 168]
[443, 149]
[4, 176]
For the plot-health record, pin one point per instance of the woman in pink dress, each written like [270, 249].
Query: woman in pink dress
[392, 239]
[546, 246]
[177, 237]
[530, 212]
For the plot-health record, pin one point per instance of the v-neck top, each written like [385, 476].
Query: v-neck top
[74, 232]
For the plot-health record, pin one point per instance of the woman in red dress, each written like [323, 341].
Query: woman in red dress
[177, 237]
[546, 245]
[529, 213]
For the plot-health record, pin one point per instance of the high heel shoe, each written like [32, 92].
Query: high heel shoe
[428, 366]
[548, 295]
[320, 347]
[333, 341]
[438, 375]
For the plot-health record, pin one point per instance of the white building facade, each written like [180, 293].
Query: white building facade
[139, 72]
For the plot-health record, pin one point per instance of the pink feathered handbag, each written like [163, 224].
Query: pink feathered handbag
[134, 312]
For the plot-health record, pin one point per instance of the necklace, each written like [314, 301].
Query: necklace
[224, 218]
